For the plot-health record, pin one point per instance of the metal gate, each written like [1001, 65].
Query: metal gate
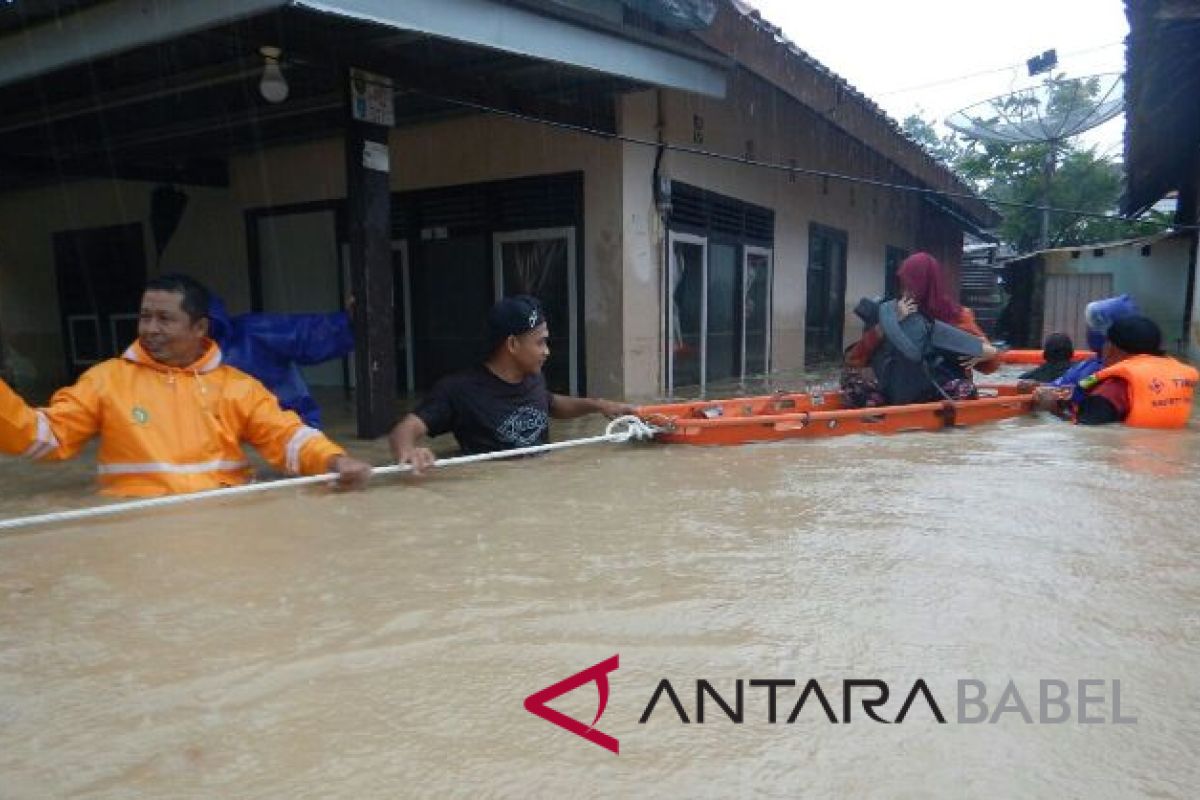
[1066, 298]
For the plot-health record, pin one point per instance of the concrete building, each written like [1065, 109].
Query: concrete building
[694, 198]
[1050, 289]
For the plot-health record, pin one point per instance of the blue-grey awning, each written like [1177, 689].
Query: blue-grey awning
[110, 28]
[679, 14]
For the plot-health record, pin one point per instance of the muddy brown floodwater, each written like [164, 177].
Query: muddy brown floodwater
[381, 644]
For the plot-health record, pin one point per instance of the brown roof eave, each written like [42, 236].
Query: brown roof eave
[763, 50]
[1162, 113]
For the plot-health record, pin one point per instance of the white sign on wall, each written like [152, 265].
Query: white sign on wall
[375, 156]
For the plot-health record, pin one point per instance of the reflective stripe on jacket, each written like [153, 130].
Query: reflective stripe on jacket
[164, 430]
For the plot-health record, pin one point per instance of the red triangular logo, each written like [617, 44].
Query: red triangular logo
[536, 703]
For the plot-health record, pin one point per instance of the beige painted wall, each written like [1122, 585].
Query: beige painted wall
[489, 148]
[472, 150]
[622, 237]
[209, 244]
[642, 235]
[758, 119]
[283, 176]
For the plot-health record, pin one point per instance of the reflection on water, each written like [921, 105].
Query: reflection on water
[381, 644]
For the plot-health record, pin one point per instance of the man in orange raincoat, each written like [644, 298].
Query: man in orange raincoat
[170, 416]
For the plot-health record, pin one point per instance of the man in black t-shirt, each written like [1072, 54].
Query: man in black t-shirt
[501, 404]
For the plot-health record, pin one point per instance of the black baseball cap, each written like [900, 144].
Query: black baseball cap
[1136, 335]
[514, 316]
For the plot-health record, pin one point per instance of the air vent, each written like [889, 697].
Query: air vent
[696, 208]
[544, 201]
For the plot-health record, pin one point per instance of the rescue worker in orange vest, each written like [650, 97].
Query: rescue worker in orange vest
[1136, 384]
[170, 416]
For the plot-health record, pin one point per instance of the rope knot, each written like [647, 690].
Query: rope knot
[629, 427]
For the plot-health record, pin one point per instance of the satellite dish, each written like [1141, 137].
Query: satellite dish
[1051, 112]
[1047, 114]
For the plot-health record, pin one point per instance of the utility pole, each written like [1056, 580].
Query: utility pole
[1048, 165]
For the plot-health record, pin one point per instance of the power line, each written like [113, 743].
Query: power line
[788, 168]
[968, 76]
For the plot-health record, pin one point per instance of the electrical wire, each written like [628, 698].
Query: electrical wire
[981, 73]
[795, 170]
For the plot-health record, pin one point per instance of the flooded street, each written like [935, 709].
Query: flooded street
[381, 644]
[473, 203]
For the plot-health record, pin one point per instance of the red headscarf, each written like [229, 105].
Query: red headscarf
[921, 275]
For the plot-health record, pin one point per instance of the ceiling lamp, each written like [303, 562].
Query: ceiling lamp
[273, 86]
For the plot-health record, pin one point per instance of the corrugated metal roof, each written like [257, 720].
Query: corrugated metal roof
[1139, 241]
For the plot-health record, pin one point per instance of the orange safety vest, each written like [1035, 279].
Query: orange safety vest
[1160, 390]
[164, 430]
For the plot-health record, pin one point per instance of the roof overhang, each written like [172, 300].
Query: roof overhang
[1162, 112]
[965, 222]
[1140, 241]
[767, 53]
[111, 28]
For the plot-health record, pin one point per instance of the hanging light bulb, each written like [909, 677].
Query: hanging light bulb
[273, 86]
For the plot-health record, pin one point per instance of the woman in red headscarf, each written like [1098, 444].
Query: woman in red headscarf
[920, 279]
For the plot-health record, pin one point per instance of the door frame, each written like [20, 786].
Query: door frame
[674, 237]
[75, 241]
[540, 234]
[838, 306]
[72, 345]
[398, 246]
[768, 253]
[251, 217]
[410, 374]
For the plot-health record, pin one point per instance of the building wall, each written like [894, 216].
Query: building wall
[209, 243]
[756, 120]
[487, 148]
[642, 251]
[1193, 347]
[622, 238]
[473, 150]
[1157, 282]
[281, 176]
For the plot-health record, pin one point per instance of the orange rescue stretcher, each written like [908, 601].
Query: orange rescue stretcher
[1035, 356]
[742, 420]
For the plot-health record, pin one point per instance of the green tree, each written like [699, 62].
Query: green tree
[946, 149]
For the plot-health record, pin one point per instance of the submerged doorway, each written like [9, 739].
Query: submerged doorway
[541, 263]
[100, 273]
[718, 312]
[469, 245]
[718, 289]
[296, 269]
[825, 316]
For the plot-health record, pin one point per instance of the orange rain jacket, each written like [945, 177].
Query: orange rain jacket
[164, 430]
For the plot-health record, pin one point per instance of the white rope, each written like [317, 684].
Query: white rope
[619, 430]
